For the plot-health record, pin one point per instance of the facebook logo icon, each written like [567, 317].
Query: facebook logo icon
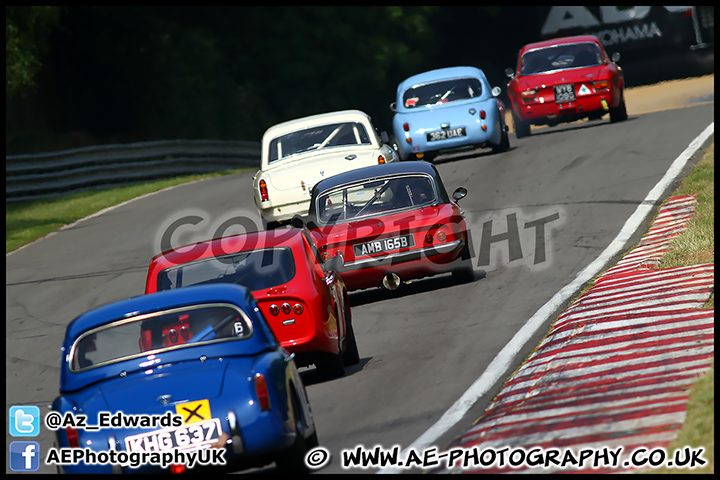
[25, 421]
[24, 456]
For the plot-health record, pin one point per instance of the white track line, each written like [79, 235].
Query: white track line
[503, 360]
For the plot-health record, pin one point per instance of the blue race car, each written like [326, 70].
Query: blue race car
[448, 109]
[194, 370]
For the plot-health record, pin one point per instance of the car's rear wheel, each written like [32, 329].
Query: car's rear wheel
[619, 113]
[292, 460]
[330, 365]
[504, 145]
[522, 129]
[351, 355]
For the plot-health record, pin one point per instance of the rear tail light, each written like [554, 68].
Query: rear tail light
[297, 309]
[482, 114]
[601, 85]
[441, 235]
[72, 437]
[381, 160]
[528, 95]
[285, 307]
[177, 469]
[263, 394]
[406, 127]
[263, 191]
[274, 309]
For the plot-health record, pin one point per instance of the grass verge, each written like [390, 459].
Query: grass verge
[26, 221]
[697, 245]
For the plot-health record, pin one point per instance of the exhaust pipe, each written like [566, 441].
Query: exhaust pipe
[391, 281]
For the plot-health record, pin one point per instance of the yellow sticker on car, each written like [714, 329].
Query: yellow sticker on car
[197, 411]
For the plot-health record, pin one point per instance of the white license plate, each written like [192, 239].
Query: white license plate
[189, 436]
[445, 134]
[564, 93]
[383, 245]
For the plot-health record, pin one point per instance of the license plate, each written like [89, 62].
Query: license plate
[446, 133]
[190, 436]
[383, 245]
[564, 93]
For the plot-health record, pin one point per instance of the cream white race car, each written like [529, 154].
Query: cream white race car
[299, 153]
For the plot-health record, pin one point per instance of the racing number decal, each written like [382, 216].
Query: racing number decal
[192, 412]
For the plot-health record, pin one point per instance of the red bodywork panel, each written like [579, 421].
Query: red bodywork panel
[321, 320]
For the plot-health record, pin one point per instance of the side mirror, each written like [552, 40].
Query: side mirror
[384, 137]
[615, 57]
[392, 107]
[459, 193]
[509, 72]
[496, 91]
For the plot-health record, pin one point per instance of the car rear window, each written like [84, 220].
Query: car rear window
[254, 269]
[318, 138]
[556, 57]
[374, 197]
[445, 91]
[157, 332]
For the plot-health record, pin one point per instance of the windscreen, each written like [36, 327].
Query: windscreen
[158, 332]
[378, 196]
[318, 138]
[445, 91]
[254, 269]
[574, 55]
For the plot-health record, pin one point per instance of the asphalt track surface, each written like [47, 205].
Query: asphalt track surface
[421, 346]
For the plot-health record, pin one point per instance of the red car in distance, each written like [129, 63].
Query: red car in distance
[563, 80]
[305, 303]
[384, 225]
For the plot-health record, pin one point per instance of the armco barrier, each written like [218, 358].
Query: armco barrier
[50, 174]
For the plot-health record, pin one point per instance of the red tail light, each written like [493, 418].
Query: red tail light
[406, 127]
[263, 191]
[297, 309]
[482, 114]
[601, 85]
[528, 95]
[177, 469]
[263, 394]
[72, 436]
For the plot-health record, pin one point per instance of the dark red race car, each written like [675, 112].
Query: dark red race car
[305, 303]
[563, 80]
[387, 224]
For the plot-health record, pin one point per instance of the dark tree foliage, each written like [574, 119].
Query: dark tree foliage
[150, 73]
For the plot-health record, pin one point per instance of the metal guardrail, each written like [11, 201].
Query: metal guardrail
[51, 174]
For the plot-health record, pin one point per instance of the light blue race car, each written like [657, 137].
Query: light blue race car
[448, 109]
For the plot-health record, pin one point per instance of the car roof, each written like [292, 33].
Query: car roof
[561, 40]
[230, 244]
[154, 302]
[441, 74]
[375, 171]
[318, 119]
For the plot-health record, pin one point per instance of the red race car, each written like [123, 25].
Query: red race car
[563, 80]
[386, 224]
[305, 303]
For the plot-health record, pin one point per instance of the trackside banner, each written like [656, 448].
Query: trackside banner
[633, 31]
